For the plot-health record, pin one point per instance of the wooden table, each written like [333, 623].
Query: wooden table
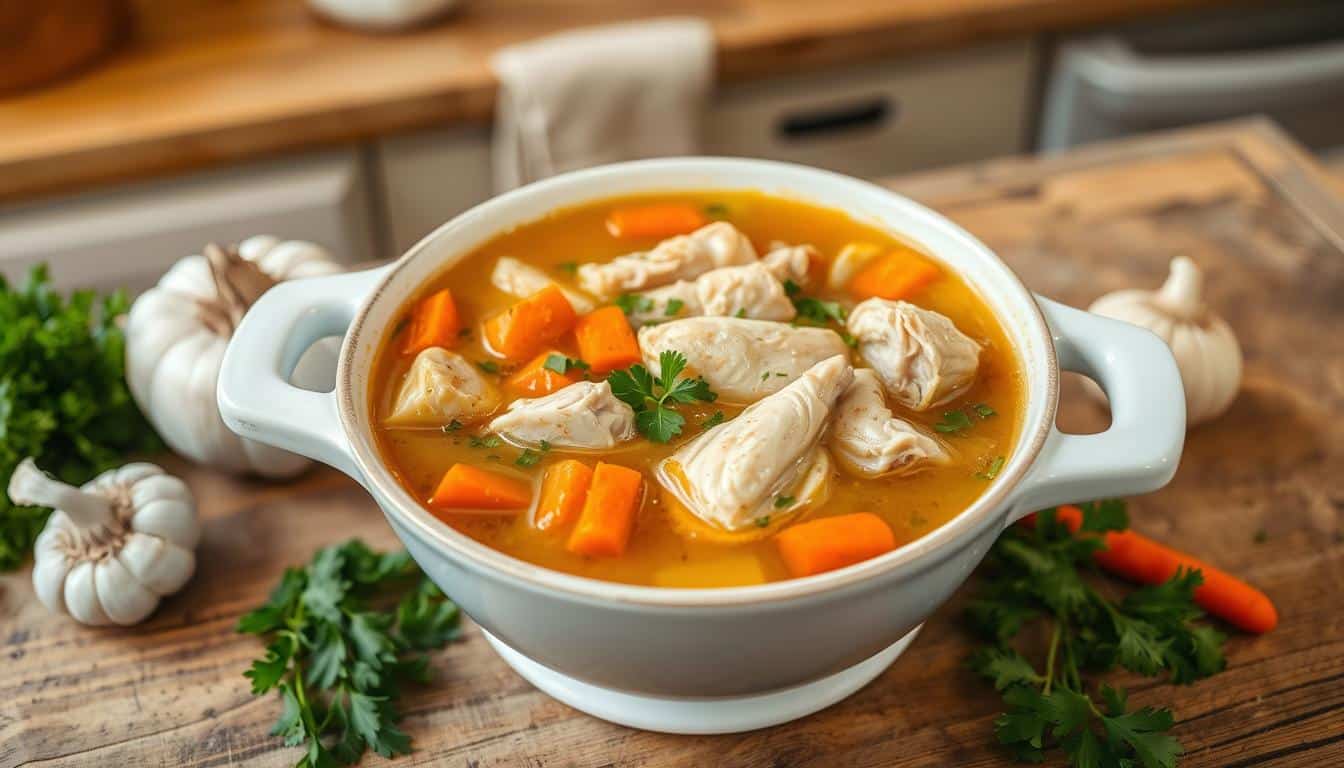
[206, 82]
[1259, 492]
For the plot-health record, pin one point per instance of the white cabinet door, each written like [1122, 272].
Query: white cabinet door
[427, 178]
[128, 236]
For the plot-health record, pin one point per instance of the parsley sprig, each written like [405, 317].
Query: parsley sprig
[337, 660]
[650, 396]
[1037, 575]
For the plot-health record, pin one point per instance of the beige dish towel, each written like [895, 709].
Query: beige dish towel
[600, 95]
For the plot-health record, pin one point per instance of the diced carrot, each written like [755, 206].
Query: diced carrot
[605, 340]
[1138, 558]
[660, 220]
[536, 380]
[896, 275]
[433, 323]
[833, 542]
[608, 512]
[530, 324]
[563, 491]
[466, 487]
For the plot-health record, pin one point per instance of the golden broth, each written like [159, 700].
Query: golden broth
[657, 554]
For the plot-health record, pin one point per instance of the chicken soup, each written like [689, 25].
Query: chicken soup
[696, 390]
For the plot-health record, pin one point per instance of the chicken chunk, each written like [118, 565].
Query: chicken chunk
[661, 304]
[791, 262]
[869, 441]
[742, 360]
[733, 475]
[679, 258]
[441, 387]
[582, 415]
[746, 291]
[522, 280]
[921, 357]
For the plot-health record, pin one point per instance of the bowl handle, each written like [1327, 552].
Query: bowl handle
[255, 397]
[1140, 450]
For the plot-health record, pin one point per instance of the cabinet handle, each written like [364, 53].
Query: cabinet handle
[844, 118]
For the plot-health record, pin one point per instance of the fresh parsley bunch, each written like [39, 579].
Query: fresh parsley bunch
[63, 395]
[1037, 575]
[337, 659]
[651, 396]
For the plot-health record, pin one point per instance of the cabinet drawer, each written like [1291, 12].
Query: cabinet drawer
[889, 117]
[129, 236]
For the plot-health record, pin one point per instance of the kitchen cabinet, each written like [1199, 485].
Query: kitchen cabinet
[893, 116]
[128, 236]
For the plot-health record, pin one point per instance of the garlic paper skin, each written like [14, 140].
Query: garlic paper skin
[175, 340]
[1205, 348]
[113, 547]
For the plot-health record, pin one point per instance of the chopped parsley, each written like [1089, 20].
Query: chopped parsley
[652, 397]
[992, 471]
[741, 312]
[488, 441]
[716, 210]
[784, 501]
[673, 307]
[568, 267]
[529, 457]
[465, 333]
[562, 365]
[818, 312]
[489, 366]
[630, 303]
[849, 339]
[452, 426]
[791, 288]
[954, 422]
[763, 521]
[983, 410]
[1034, 575]
[713, 421]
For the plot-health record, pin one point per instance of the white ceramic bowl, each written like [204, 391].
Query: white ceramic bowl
[739, 641]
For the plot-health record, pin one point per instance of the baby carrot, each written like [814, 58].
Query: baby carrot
[563, 491]
[434, 323]
[1138, 558]
[531, 323]
[466, 487]
[605, 340]
[897, 275]
[536, 380]
[833, 542]
[608, 512]
[659, 220]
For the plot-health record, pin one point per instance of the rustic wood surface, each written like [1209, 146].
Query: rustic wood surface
[1240, 199]
[206, 82]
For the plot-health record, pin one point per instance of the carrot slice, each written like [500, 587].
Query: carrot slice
[833, 542]
[605, 340]
[563, 491]
[434, 323]
[531, 323]
[1138, 558]
[608, 512]
[536, 380]
[659, 220]
[466, 487]
[896, 275]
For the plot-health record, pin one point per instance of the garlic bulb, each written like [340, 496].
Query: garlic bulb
[175, 340]
[112, 548]
[1205, 348]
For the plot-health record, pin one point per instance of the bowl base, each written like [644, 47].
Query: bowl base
[689, 716]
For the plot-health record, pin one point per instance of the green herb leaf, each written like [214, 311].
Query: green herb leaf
[983, 410]
[530, 457]
[784, 501]
[716, 210]
[338, 662]
[673, 307]
[713, 420]
[992, 471]
[563, 365]
[791, 288]
[762, 522]
[818, 311]
[741, 312]
[660, 424]
[953, 422]
[489, 366]
[650, 396]
[452, 426]
[631, 303]
[568, 267]
[486, 441]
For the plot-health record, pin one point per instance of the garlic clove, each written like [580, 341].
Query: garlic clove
[169, 519]
[50, 564]
[160, 566]
[123, 598]
[134, 472]
[256, 246]
[161, 488]
[81, 596]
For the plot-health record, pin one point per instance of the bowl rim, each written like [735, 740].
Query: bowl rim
[944, 540]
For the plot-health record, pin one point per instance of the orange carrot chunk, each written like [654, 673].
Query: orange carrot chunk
[660, 220]
[434, 323]
[605, 340]
[829, 543]
[563, 491]
[608, 512]
[466, 487]
[896, 275]
[536, 380]
[1138, 558]
[530, 324]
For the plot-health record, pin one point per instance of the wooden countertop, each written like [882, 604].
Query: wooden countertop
[207, 82]
[1242, 199]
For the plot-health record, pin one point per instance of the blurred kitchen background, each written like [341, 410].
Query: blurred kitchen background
[134, 131]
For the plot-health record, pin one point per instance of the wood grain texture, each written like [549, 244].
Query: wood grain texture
[207, 82]
[1240, 199]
